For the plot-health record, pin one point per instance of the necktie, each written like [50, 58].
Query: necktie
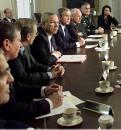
[51, 45]
[65, 33]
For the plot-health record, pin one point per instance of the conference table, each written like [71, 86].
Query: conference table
[81, 79]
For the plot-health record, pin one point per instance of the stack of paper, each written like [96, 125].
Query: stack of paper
[91, 40]
[69, 102]
[68, 97]
[96, 36]
[73, 58]
[91, 46]
[101, 49]
[77, 44]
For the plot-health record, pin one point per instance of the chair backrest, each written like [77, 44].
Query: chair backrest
[37, 17]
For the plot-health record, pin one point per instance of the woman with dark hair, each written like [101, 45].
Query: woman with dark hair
[106, 19]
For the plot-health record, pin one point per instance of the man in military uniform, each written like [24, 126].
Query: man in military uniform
[87, 21]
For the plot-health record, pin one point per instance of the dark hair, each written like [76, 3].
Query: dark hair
[85, 3]
[27, 26]
[37, 17]
[7, 31]
[45, 17]
[106, 6]
[61, 10]
[5, 11]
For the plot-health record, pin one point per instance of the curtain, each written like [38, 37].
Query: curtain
[14, 8]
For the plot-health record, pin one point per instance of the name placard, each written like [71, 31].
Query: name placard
[98, 107]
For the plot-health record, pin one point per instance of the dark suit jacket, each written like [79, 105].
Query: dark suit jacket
[12, 20]
[65, 42]
[106, 24]
[28, 74]
[12, 124]
[88, 25]
[27, 70]
[15, 110]
[40, 49]
[73, 29]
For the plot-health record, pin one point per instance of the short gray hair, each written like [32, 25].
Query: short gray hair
[74, 10]
[45, 17]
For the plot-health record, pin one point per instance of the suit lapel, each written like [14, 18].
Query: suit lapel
[27, 58]
[61, 31]
[53, 43]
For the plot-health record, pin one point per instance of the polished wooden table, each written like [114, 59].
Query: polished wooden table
[81, 80]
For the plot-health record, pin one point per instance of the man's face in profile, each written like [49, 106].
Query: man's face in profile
[5, 80]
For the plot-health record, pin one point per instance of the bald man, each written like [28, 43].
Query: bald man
[8, 15]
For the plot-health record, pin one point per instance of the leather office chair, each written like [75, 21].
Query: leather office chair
[37, 18]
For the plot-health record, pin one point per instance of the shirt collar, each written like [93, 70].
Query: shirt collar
[62, 26]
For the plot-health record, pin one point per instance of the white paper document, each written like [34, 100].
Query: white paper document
[77, 44]
[71, 98]
[91, 46]
[58, 110]
[70, 101]
[96, 36]
[91, 40]
[101, 49]
[72, 58]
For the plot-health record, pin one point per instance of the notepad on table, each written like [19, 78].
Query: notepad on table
[96, 36]
[91, 46]
[101, 49]
[72, 58]
[91, 40]
[69, 101]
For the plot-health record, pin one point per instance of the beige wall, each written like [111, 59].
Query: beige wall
[102, 3]
[115, 5]
[53, 5]
[8, 4]
[4, 4]
[47, 5]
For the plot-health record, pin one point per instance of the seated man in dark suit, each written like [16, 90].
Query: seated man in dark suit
[44, 48]
[24, 68]
[5, 80]
[10, 44]
[87, 21]
[63, 38]
[74, 26]
[12, 124]
[106, 19]
[8, 15]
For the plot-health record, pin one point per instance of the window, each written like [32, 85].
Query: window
[24, 8]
